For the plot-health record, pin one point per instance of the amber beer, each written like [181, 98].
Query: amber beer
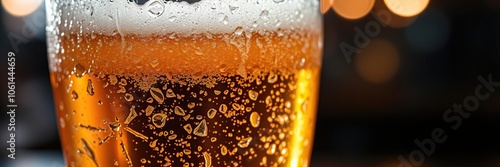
[221, 94]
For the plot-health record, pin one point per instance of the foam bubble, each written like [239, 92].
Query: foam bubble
[213, 16]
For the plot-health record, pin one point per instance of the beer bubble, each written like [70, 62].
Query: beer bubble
[143, 160]
[186, 151]
[90, 87]
[159, 120]
[201, 130]
[79, 70]
[244, 142]
[255, 119]
[74, 95]
[156, 9]
[129, 97]
[157, 94]
[253, 94]
[211, 113]
[179, 111]
[191, 105]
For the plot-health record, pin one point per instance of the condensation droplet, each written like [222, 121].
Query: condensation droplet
[264, 15]
[223, 108]
[191, 105]
[238, 31]
[255, 119]
[223, 150]
[115, 126]
[143, 160]
[115, 163]
[186, 151]
[156, 9]
[253, 94]
[129, 97]
[131, 115]
[208, 159]
[159, 120]
[217, 92]
[149, 110]
[271, 149]
[79, 70]
[272, 78]
[201, 130]
[170, 93]
[154, 62]
[244, 142]
[269, 101]
[278, 1]
[157, 94]
[226, 20]
[211, 113]
[188, 128]
[179, 111]
[74, 95]
[172, 18]
[90, 87]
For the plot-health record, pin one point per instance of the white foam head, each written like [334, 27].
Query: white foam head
[213, 16]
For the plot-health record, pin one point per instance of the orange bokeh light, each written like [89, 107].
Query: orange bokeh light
[352, 9]
[20, 8]
[406, 8]
[378, 62]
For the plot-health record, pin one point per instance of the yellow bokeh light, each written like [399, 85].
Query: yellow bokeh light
[378, 62]
[326, 5]
[20, 8]
[406, 8]
[352, 9]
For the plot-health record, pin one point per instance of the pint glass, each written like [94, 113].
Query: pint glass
[185, 83]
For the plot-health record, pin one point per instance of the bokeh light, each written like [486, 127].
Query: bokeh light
[395, 21]
[20, 8]
[407, 8]
[326, 5]
[352, 9]
[378, 62]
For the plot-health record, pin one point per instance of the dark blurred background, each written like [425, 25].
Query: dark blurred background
[405, 73]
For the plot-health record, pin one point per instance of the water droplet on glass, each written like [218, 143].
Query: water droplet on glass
[223, 150]
[115, 126]
[88, 151]
[255, 24]
[223, 108]
[208, 159]
[159, 120]
[149, 110]
[157, 94]
[79, 70]
[131, 115]
[264, 15]
[253, 95]
[115, 163]
[211, 113]
[154, 62]
[225, 20]
[272, 78]
[143, 160]
[156, 9]
[271, 149]
[201, 130]
[255, 119]
[188, 128]
[269, 101]
[129, 97]
[278, 1]
[179, 111]
[170, 93]
[233, 8]
[172, 18]
[238, 31]
[90, 87]
[198, 52]
[89, 10]
[244, 142]
[74, 95]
